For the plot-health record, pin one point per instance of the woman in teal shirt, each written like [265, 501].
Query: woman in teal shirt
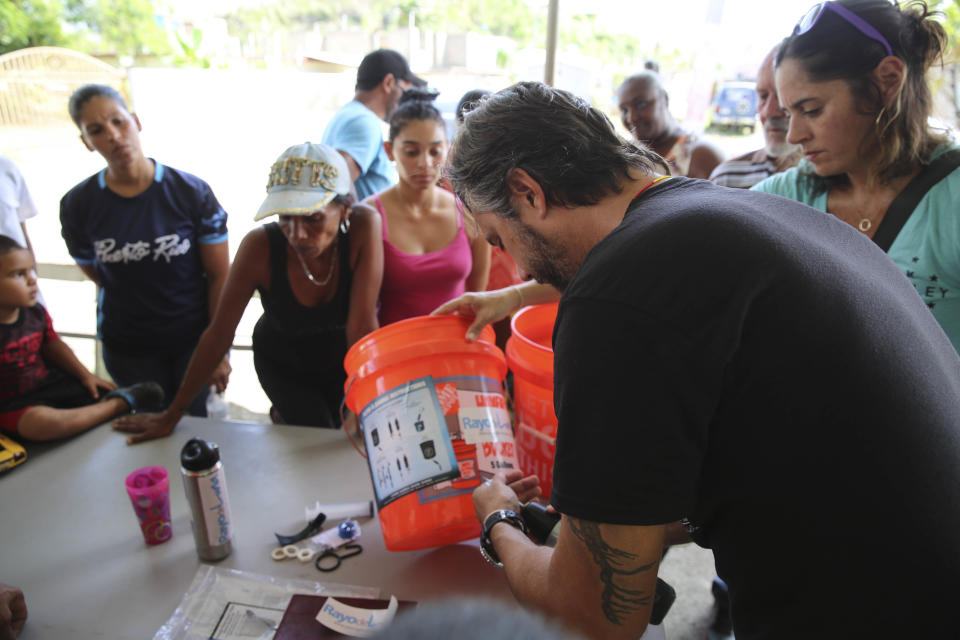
[852, 78]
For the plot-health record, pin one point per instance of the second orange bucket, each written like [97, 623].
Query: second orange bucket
[435, 424]
[530, 357]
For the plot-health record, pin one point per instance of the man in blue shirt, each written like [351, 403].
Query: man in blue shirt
[355, 129]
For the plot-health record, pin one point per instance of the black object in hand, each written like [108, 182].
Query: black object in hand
[539, 521]
[663, 598]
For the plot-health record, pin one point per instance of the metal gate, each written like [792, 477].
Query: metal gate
[36, 83]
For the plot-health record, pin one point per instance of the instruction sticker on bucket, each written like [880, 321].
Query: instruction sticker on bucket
[408, 444]
[484, 421]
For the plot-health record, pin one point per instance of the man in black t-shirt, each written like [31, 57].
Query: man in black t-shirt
[733, 361]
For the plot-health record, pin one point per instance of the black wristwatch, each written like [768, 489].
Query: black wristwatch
[486, 545]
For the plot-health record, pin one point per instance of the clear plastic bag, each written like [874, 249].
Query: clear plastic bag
[216, 591]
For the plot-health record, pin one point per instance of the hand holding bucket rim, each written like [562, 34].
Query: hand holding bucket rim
[482, 308]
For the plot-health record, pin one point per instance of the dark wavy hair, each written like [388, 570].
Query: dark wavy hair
[835, 50]
[86, 93]
[8, 244]
[469, 101]
[415, 104]
[570, 148]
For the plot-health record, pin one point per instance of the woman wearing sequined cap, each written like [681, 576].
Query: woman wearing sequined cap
[852, 78]
[318, 271]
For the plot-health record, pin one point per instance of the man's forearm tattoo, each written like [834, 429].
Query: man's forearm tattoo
[617, 601]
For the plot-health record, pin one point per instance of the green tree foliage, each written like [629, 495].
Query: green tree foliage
[189, 51]
[524, 21]
[951, 12]
[291, 16]
[951, 23]
[31, 23]
[120, 27]
[581, 32]
[622, 51]
[512, 18]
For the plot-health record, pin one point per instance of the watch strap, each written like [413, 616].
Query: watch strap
[508, 516]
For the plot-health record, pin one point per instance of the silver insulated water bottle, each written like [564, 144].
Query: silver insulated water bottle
[206, 489]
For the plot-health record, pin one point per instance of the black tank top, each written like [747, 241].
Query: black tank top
[305, 338]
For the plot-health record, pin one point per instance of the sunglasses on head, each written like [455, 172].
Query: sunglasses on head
[810, 19]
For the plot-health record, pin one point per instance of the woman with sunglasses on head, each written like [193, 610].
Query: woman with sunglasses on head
[432, 249]
[852, 79]
[317, 270]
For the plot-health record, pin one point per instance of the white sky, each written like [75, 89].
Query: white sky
[747, 29]
[664, 20]
[672, 18]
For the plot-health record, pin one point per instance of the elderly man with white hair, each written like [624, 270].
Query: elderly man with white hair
[777, 154]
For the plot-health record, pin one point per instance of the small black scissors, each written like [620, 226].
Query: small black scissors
[349, 550]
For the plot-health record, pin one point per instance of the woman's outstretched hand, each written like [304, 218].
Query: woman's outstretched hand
[146, 426]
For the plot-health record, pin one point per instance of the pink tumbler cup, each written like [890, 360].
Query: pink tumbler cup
[149, 491]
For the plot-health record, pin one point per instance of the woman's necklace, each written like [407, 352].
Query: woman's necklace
[865, 224]
[306, 270]
[859, 221]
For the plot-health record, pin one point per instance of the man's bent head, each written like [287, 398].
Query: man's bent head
[570, 148]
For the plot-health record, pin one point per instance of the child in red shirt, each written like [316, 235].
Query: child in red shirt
[45, 391]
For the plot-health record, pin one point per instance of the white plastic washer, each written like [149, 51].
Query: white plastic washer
[291, 550]
[306, 554]
[278, 554]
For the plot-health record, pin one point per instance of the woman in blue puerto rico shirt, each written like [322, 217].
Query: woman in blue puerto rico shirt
[153, 239]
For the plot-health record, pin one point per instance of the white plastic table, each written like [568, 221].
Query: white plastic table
[69, 538]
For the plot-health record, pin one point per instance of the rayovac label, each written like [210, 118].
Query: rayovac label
[484, 422]
[215, 506]
[355, 621]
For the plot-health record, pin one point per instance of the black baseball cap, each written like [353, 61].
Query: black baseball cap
[377, 64]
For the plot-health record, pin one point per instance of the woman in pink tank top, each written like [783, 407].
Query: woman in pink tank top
[432, 249]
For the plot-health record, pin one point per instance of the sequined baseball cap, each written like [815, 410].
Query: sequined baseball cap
[304, 179]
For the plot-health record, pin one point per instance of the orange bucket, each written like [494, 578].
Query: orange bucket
[530, 357]
[435, 424]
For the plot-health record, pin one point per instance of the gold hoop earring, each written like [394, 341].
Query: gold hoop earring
[880, 116]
